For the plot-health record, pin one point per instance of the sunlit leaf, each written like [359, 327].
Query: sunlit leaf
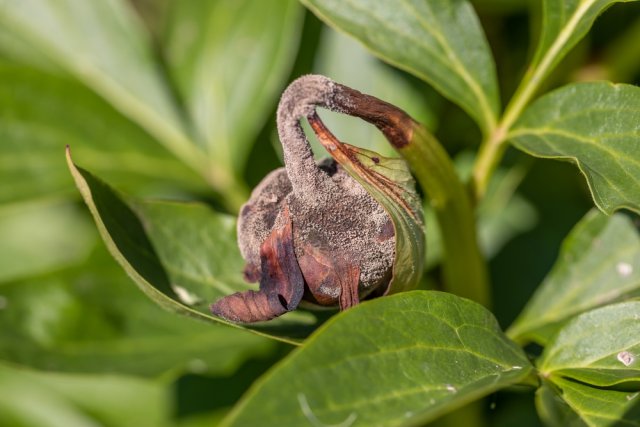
[599, 263]
[104, 45]
[80, 400]
[402, 359]
[439, 41]
[40, 113]
[41, 236]
[595, 125]
[230, 60]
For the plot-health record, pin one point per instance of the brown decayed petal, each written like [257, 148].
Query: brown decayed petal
[331, 277]
[281, 282]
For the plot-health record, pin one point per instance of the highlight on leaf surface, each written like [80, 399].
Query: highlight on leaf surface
[334, 232]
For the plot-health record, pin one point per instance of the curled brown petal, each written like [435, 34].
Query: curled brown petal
[281, 281]
[331, 277]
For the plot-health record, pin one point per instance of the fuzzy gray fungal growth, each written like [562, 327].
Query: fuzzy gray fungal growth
[343, 240]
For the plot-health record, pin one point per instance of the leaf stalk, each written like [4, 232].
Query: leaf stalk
[494, 146]
[464, 268]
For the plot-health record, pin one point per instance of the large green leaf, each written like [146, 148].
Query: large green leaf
[90, 319]
[230, 60]
[41, 112]
[38, 399]
[564, 23]
[594, 125]
[182, 255]
[397, 360]
[28, 248]
[344, 60]
[599, 263]
[571, 404]
[104, 45]
[440, 41]
[600, 347]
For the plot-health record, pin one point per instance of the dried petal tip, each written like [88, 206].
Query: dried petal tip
[328, 233]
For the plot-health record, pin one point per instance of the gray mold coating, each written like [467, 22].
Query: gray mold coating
[329, 208]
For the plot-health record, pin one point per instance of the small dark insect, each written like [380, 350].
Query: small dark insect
[310, 231]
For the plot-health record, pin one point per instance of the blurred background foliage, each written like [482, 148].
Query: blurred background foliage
[176, 100]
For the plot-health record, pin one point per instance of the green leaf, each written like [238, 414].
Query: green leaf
[38, 399]
[181, 233]
[599, 263]
[116, 60]
[345, 61]
[16, 51]
[169, 250]
[40, 113]
[600, 347]
[594, 125]
[554, 411]
[90, 319]
[568, 403]
[209, 46]
[440, 41]
[564, 24]
[397, 360]
[28, 248]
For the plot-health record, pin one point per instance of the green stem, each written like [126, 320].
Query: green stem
[489, 155]
[464, 268]
[493, 148]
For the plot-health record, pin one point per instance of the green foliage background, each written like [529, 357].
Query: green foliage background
[176, 101]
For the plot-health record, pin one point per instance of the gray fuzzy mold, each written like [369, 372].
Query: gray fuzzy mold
[329, 209]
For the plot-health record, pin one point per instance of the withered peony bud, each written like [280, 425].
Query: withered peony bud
[311, 231]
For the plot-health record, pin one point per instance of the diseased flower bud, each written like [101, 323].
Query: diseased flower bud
[311, 231]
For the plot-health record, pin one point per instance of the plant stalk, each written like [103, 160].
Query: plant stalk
[464, 268]
[493, 148]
